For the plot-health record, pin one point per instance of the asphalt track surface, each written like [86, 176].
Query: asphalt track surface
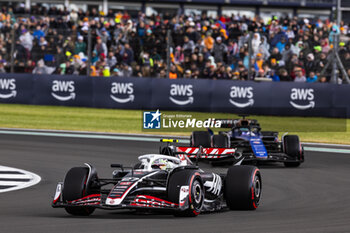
[312, 198]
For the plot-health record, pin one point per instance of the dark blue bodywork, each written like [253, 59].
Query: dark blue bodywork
[254, 138]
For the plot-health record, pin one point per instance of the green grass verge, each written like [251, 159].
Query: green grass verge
[310, 129]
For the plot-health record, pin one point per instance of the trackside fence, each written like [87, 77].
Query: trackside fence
[266, 98]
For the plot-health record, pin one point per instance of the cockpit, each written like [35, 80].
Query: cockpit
[151, 162]
[245, 127]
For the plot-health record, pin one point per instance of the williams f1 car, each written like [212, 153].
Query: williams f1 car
[244, 141]
[159, 183]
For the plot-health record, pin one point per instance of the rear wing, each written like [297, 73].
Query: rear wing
[231, 123]
[227, 123]
[205, 153]
[186, 153]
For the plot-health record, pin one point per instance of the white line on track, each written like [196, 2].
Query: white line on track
[15, 176]
[9, 173]
[12, 183]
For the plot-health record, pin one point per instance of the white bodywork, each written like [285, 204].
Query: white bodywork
[149, 163]
[148, 160]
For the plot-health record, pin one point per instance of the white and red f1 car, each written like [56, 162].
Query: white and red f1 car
[159, 183]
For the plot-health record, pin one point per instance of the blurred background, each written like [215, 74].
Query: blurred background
[265, 40]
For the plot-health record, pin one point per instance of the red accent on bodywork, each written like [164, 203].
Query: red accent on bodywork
[195, 212]
[155, 198]
[254, 205]
[89, 196]
[151, 201]
[125, 192]
[206, 151]
[84, 186]
[55, 200]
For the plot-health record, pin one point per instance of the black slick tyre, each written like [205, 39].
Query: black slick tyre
[75, 187]
[200, 138]
[220, 141]
[292, 148]
[243, 187]
[193, 180]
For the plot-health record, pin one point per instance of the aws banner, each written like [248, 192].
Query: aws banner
[265, 98]
[117, 92]
[270, 98]
[67, 90]
[181, 94]
[16, 89]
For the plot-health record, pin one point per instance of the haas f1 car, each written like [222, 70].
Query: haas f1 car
[246, 141]
[159, 183]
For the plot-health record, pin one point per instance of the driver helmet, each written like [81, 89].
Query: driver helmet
[163, 164]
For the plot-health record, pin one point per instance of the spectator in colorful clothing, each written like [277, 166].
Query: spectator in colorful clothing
[299, 76]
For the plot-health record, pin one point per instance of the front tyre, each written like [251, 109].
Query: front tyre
[292, 148]
[243, 187]
[195, 199]
[75, 187]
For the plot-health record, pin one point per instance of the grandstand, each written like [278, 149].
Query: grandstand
[235, 40]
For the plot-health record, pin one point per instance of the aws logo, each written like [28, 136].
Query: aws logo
[63, 90]
[122, 89]
[7, 86]
[181, 94]
[302, 95]
[243, 94]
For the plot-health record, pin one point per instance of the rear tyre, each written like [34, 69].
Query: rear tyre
[200, 138]
[220, 141]
[292, 148]
[75, 187]
[243, 187]
[196, 191]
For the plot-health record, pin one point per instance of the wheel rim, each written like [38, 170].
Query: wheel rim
[257, 187]
[197, 193]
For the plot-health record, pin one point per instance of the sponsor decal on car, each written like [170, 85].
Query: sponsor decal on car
[93, 199]
[150, 201]
[184, 193]
[215, 185]
[125, 183]
[258, 147]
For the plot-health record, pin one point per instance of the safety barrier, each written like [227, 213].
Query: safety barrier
[266, 98]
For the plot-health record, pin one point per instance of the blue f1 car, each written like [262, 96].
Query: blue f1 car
[245, 141]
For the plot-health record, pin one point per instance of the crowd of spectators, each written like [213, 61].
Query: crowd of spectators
[54, 41]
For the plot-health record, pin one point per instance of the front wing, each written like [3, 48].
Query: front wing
[137, 201]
